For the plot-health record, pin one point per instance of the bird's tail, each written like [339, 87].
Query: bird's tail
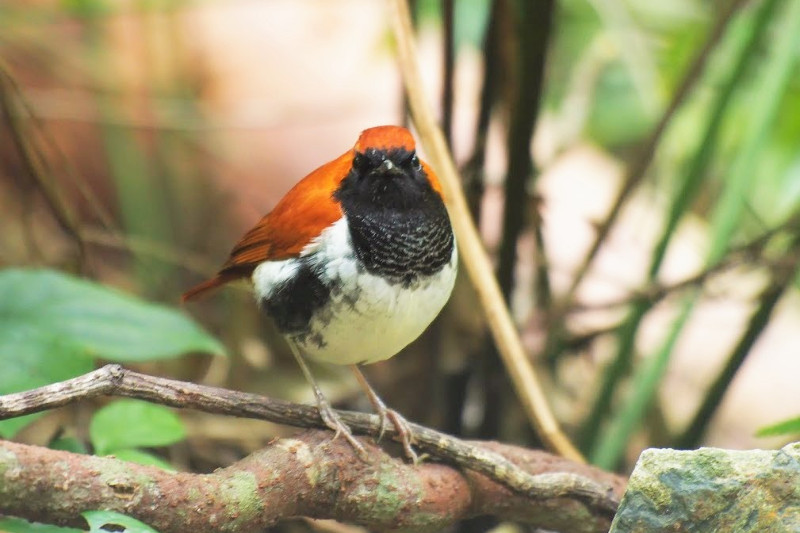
[207, 286]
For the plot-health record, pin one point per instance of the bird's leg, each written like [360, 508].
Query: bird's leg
[400, 423]
[326, 412]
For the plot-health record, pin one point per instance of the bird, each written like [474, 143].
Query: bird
[352, 264]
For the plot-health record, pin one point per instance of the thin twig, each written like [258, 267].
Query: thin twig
[471, 249]
[26, 112]
[167, 253]
[637, 169]
[35, 163]
[113, 380]
[739, 256]
[767, 301]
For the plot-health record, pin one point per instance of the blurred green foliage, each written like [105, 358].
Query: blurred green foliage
[55, 327]
[101, 521]
[789, 427]
[18, 525]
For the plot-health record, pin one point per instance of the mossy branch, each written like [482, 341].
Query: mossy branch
[313, 469]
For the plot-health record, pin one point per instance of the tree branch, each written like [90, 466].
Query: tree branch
[308, 475]
[596, 491]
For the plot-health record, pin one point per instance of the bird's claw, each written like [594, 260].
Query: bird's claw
[334, 422]
[403, 431]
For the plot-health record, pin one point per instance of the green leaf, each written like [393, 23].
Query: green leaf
[102, 321]
[775, 81]
[133, 423]
[30, 358]
[87, 8]
[617, 116]
[100, 520]
[52, 326]
[787, 427]
[18, 525]
[142, 458]
[68, 444]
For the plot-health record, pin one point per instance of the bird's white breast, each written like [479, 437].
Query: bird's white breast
[367, 318]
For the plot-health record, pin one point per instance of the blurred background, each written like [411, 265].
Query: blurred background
[633, 166]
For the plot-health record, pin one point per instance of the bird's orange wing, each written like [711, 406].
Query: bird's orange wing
[300, 216]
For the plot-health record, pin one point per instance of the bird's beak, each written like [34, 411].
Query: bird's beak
[388, 168]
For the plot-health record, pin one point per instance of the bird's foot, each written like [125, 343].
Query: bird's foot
[334, 422]
[402, 427]
[400, 424]
[404, 431]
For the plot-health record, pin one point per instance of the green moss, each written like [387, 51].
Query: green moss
[120, 478]
[194, 495]
[383, 491]
[239, 494]
[8, 461]
[712, 490]
[390, 494]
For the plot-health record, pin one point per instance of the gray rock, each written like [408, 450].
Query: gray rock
[713, 490]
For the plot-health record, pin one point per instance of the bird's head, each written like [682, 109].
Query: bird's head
[386, 170]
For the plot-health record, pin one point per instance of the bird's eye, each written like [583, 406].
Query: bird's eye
[415, 163]
[360, 161]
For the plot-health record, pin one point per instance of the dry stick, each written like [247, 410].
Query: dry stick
[109, 236]
[658, 291]
[655, 293]
[79, 181]
[35, 163]
[737, 257]
[168, 253]
[471, 250]
[113, 380]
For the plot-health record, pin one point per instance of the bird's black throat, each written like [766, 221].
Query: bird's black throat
[398, 223]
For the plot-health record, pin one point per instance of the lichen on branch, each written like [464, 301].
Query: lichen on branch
[308, 475]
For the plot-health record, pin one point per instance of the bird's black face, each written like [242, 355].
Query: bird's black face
[391, 179]
[398, 224]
